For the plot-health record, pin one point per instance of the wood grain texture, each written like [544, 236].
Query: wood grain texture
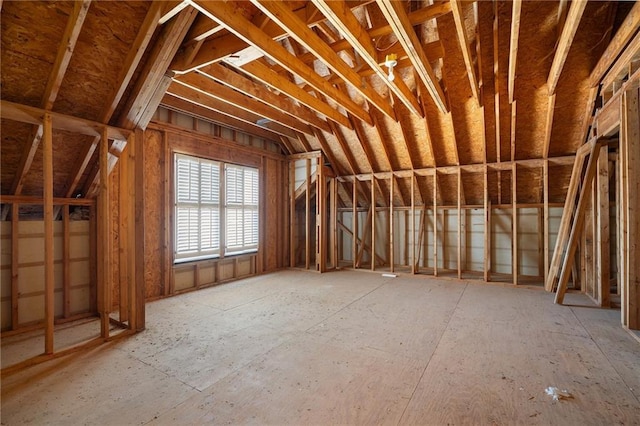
[301, 348]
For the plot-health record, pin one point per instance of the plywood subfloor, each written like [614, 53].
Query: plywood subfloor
[346, 347]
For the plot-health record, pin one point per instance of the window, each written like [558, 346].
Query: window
[241, 208]
[201, 206]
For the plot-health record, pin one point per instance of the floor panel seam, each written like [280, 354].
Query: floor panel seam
[433, 353]
[605, 356]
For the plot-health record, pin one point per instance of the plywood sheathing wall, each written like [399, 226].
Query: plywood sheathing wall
[31, 38]
[157, 279]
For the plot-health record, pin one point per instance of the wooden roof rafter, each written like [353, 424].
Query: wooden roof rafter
[569, 30]
[176, 103]
[246, 30]
[198, 97]
[619, 41]
[281, 103]
[261, 72]
[406, 140]
[148, 27]
[456, 10]
[371, 160]
[388, 154]
[214, 50]
[480, 82]
[58, 71]
[351, 161]
[280, 13]
[153, 81]
[343, 18]
[403, 29]
[513, 46]
[420, 16]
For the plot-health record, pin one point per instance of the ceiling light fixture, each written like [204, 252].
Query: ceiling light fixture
[391, 61]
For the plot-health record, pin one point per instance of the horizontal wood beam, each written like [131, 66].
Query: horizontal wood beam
[33, 115]
[466, 168]
[31, 200]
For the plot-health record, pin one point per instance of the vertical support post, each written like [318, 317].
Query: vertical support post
[373, 222]
[514, 222]
[435, 223]
[421, 239]
[49, 278]
[334, 223]
[545, 219]
[459, 224]
[137, 299]
[354, 241]
[292, 214]
[487, 227]
[631, 207]
[321, 216]
[602, 245]
[412, 225]
[307, 217]
[66, 267]
[260, 259]
[167, 254]
[15, 279]
[391, 258]
[104, 238]
[540, 229]
[123, 231]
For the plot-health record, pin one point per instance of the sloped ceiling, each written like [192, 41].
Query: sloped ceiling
[486, 82]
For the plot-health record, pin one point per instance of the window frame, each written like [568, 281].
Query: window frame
[223, 250]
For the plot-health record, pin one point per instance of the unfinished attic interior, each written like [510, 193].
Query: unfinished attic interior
[326, 211]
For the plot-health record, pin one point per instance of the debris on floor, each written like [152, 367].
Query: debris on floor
[558, 394]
